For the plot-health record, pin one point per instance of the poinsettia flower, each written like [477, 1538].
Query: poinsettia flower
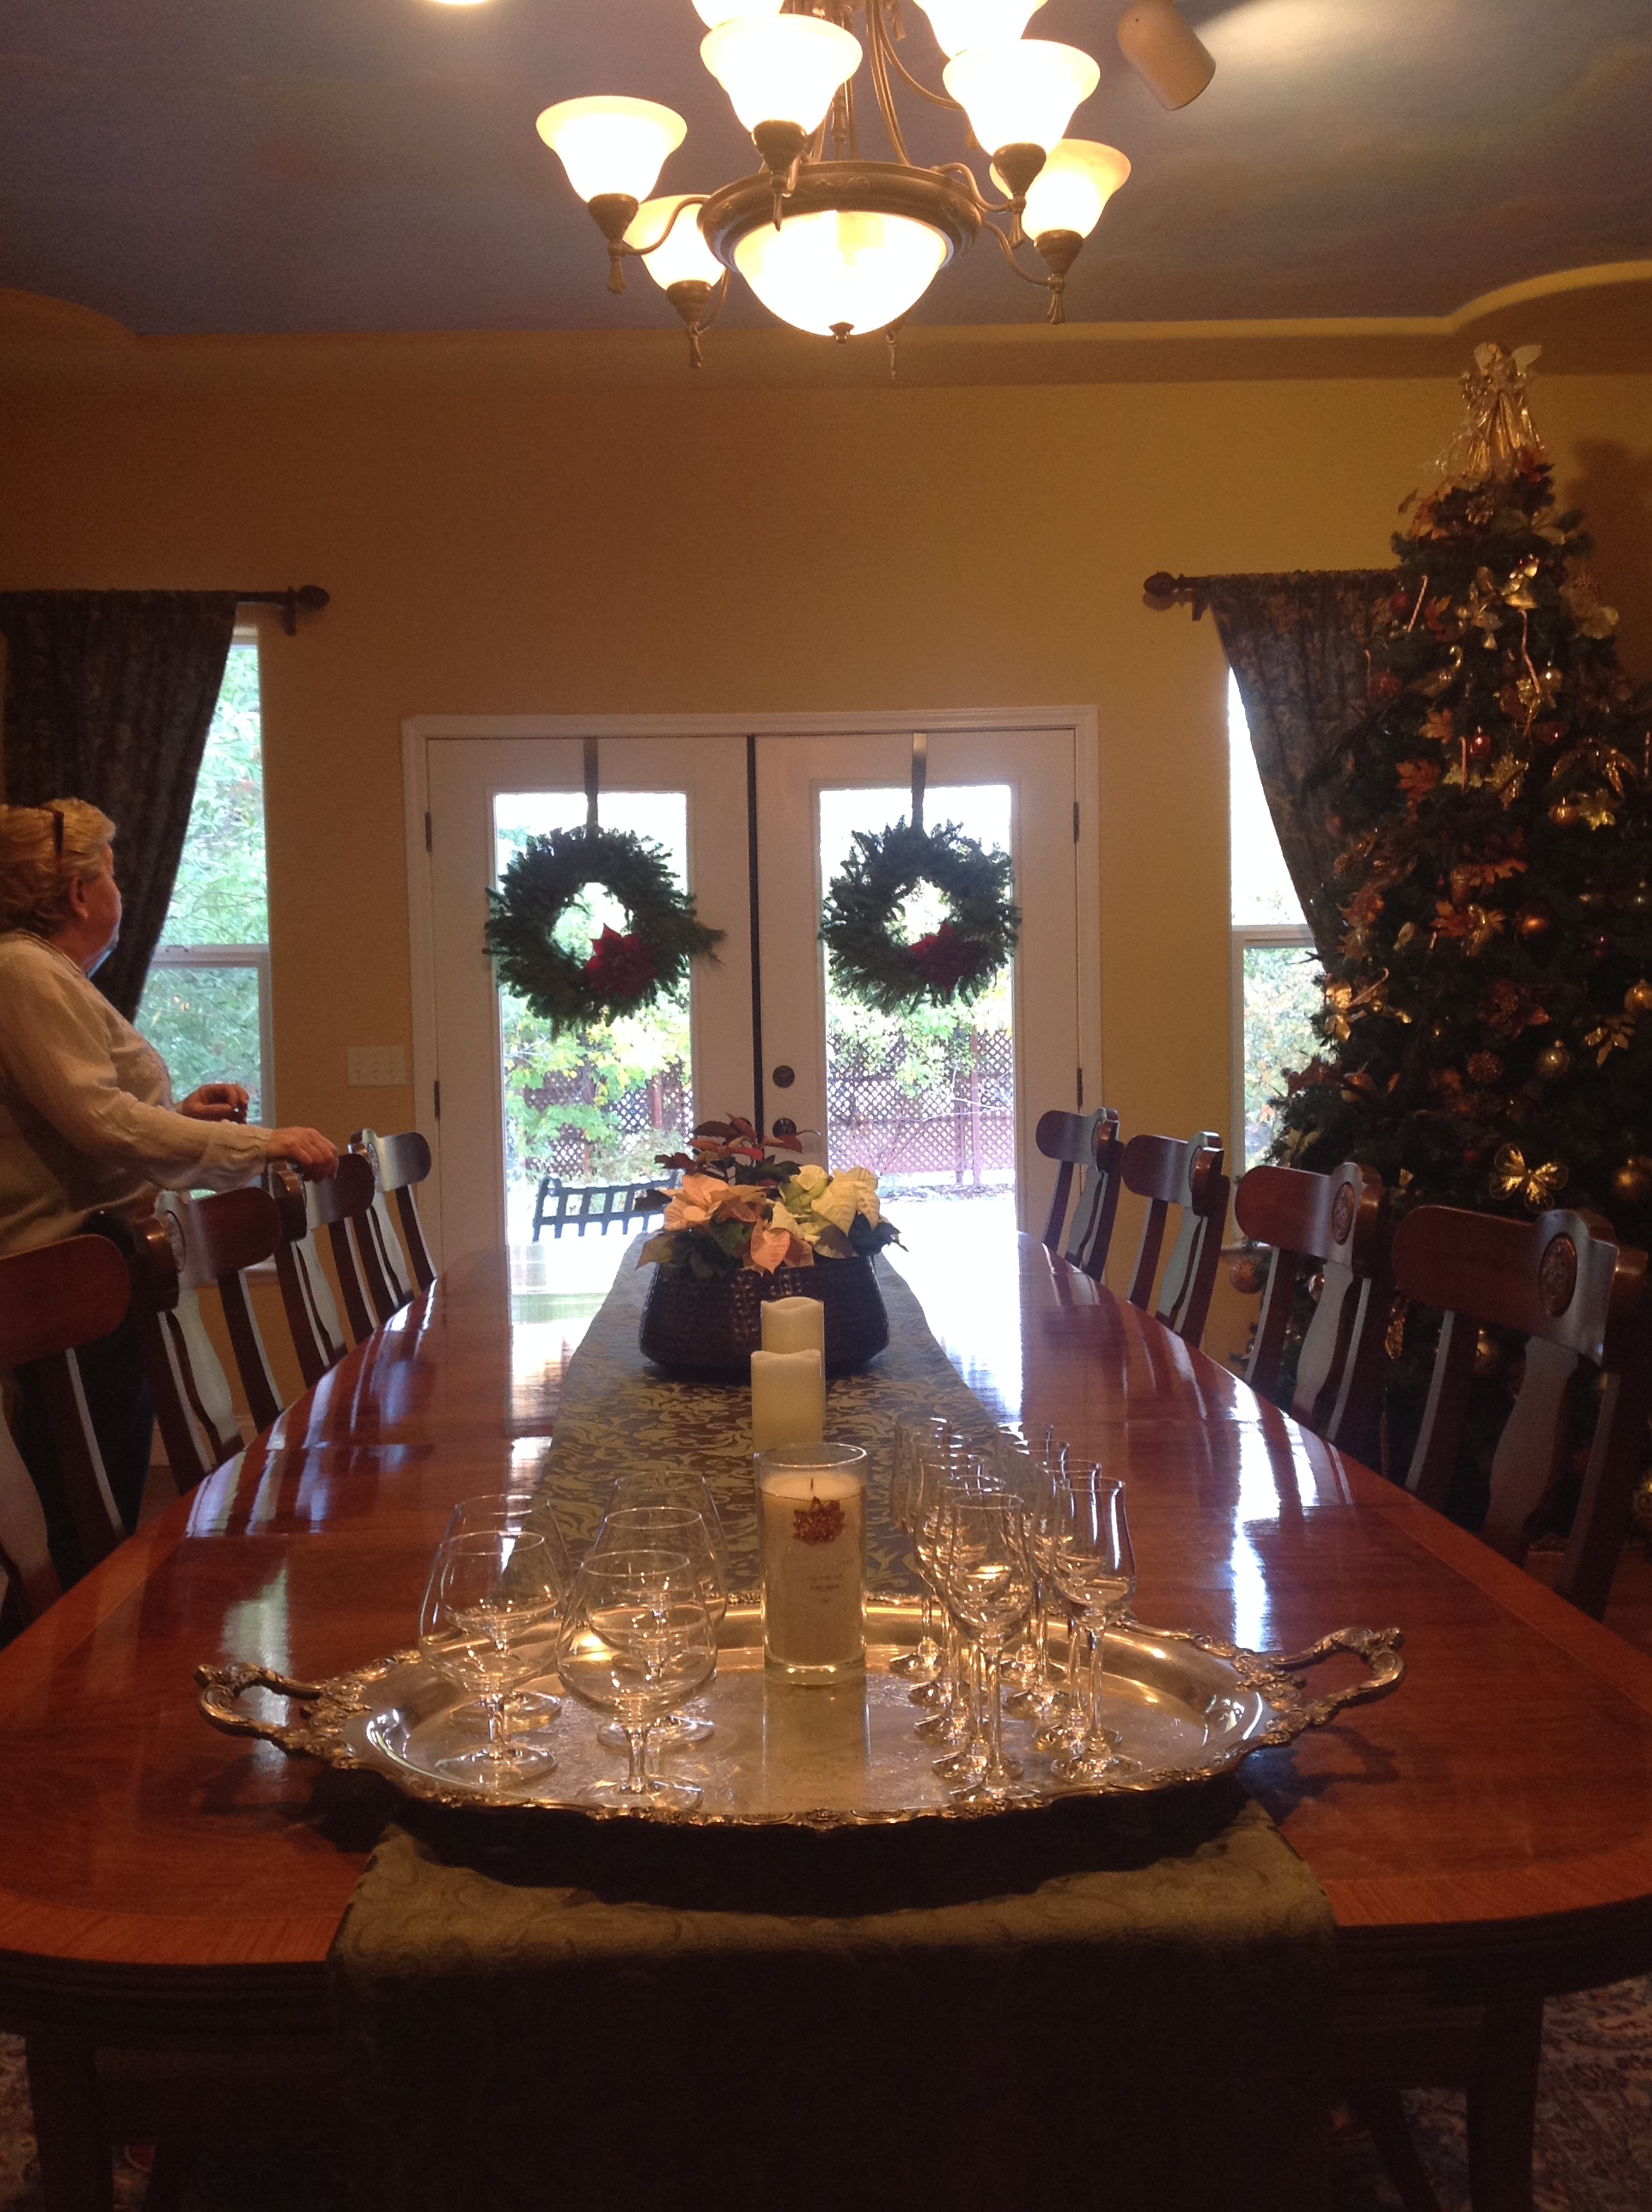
[769, 1246]
[849, 1192]
[698, 1199]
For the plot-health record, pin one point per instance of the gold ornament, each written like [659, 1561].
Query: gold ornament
[1483, 1067]
[1488, 1354]
[1535, 1187]
[1637, 998]
[1612, 1035]
[1632, 1184]
[1249, 1273]
[1554, 1061]
[1565, 812]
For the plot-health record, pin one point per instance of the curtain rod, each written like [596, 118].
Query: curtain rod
[307, 599]
[1165, 588]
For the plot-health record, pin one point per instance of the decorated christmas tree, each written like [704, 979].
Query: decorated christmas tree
[1486, 1031]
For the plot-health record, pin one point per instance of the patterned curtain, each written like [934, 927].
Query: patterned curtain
[1297, 645]
[109, 695]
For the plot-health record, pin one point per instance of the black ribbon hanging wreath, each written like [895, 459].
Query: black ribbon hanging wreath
[625, 970]
[955, 961]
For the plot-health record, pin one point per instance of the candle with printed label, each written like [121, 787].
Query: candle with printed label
[811, 1524]
[788, 1398]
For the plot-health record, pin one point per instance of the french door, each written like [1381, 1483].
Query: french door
[757, 822]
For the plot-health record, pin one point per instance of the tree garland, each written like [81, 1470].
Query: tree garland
[954, 964]
[623, 972]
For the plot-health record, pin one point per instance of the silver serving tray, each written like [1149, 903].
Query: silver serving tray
[1185, 1707]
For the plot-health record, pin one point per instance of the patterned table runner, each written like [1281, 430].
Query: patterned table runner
[620, 1414]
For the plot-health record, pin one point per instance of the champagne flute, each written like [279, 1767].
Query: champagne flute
[911, 1435]
[668, 1528]
[636, 1641]
[1094, 1571]
[489, 1621]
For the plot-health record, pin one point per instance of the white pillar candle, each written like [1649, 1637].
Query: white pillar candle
[793, 1325]
[811, 1527]
[788, 1399]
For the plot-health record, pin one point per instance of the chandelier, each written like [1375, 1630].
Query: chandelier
[829, 241]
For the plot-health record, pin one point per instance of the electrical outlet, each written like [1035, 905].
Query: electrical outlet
[375, 1067]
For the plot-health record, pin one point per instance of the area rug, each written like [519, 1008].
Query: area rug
[1594, 2133]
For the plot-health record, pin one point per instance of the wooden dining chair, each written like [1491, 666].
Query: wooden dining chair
[1335, 1226]
[402, 1164]
[1086, 1146]
[213, 1242]
[223, 1237]
[53, 1300]
[334, 1203]
[1581, 1301]
[1187, 1174]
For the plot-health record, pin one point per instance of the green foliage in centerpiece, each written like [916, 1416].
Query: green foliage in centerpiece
[740, 1207]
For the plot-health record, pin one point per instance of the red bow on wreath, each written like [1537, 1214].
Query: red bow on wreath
[620, 967]
[946, 957]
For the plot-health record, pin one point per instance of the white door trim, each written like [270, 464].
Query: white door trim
[419, 730]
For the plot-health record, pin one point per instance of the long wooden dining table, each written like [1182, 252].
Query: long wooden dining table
[168, 1895]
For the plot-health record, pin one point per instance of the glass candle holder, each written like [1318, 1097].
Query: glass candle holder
[811, 1526]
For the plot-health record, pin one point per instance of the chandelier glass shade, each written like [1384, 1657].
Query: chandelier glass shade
[1022, 92]
[829, 238]
[610, 144]
[841, 267]
[780, 68]
[1078, 178]
[961, 23]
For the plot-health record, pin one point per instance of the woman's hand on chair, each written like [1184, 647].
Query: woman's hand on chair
[310, 1152]
[216, 1101]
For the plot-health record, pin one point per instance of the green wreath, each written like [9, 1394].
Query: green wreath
[624, 971]
[953, 964]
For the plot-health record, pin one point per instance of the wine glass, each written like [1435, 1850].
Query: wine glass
[987, 1574]
[636, 1641]
[943, 1474]
[1094, 1571]
[668, 1528]
[489, 1621]
[515, 1509]
[676, 1486]
[912, 1433]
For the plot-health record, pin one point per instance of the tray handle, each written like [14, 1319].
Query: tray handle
[1378, 1647]
[221, 1686]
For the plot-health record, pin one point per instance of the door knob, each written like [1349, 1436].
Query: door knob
[784, 1127]
[782, 1077]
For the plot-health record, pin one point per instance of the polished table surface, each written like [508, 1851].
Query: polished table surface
[1486, 1828]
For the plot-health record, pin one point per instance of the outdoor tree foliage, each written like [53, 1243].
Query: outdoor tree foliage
[1486, 1032]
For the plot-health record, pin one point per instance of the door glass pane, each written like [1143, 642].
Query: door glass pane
[926, 1098]
[589, 1109]
[203, 1022]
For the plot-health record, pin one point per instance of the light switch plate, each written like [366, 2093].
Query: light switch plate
[375, 1067]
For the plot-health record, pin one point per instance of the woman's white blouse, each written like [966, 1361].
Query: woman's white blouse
[86, 1116]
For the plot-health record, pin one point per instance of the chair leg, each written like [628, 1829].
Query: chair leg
[76, 2169]
[1502, 2107]
[1382, 2116]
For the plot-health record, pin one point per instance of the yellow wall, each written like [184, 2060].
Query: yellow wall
[500, 549]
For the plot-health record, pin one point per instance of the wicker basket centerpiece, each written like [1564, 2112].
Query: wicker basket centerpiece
[744, 1225]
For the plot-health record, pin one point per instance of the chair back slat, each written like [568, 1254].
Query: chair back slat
[403, 1162]
[53, 1300]
[337, 1203]
[1098, 1205]
[1186, 1173]
[306, 1297]
[1338, 1223]
[1066, 1139]
[385, 1275]
[28, 1580]
[1580, 1300]
[192, 1404]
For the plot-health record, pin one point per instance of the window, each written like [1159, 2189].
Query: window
[1275, 988]
[206, 1002]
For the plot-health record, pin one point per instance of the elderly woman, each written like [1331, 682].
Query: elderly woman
[86, 1119]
